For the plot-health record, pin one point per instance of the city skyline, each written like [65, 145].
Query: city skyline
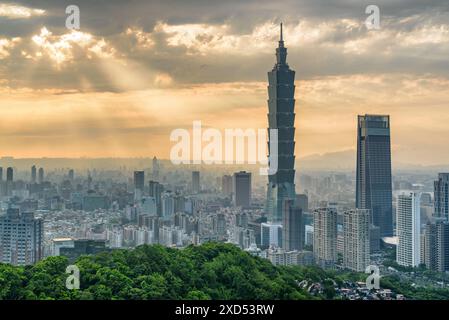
[106, 85]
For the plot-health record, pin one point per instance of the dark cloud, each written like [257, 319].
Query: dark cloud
[109, 19]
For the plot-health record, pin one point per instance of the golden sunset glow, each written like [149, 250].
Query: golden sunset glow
[120, 90]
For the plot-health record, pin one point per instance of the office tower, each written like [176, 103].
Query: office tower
[408, 230]
[196, 182]
[270, 235]
[436, 242]
[373, 181]
[21, 238]
[40, 175]
[242, 189]
[155, 169]
[325, 236]
[292, 227]
[71, 175]
[356, 252]
[1, 174]
[33, 174]
[226, 185]
[281, 117]
[9, 174]
[441, 194]
[139, 180]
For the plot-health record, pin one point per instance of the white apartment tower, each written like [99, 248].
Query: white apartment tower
[408, 229]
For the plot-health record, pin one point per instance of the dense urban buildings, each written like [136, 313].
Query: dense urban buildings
[281, 117]
[356, 254]
[408, 252]
[373, 181]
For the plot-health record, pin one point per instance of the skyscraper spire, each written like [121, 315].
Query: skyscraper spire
[282, 38]
[281, 52]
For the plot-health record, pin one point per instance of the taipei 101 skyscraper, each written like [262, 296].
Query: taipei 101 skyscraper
[281, 116]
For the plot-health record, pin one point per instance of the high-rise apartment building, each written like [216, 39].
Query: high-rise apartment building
[408, 251]
[436, 246]
[325, 236]
[21, 238]
[373, 181]
[441, 194]
[356, 233]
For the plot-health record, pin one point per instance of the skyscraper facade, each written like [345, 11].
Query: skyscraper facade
[373, 181]
[408, 252]
[21, 238]
[281, 117]
[356, 228]
[325, 236]
[441, 192]
[293, 227]
[242, 189]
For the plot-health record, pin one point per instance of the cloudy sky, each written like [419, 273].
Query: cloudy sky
[136, 70]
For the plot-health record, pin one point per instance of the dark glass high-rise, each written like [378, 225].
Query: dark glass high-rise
[373, 181]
